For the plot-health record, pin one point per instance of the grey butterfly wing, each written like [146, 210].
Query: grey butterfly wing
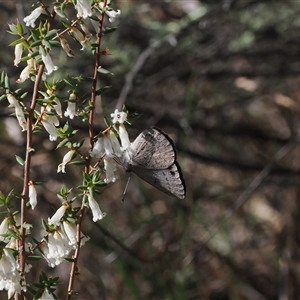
[169, 180]
[152, 149]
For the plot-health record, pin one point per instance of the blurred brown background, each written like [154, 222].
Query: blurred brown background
[222, 79]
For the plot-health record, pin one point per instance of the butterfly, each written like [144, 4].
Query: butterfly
[152, 157]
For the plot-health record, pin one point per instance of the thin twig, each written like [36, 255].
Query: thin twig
[73, 271]
[27, 165]
[27, 169]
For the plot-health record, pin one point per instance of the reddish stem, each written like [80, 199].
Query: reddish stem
[73, 271]
[21, 244]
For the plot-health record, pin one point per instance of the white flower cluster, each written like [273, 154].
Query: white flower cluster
[10, 277]
[109, 146]
[84, 10]
[48, 120]
[61, 241]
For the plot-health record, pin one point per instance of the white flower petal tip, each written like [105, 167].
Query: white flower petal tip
[112, 14]
[71, 109]
[66, 159]
[49, 65]
[110, 168]
[95, 208]
[55, 219]
[30, 20]
[26, 71]
[32, 194]
[83, 8]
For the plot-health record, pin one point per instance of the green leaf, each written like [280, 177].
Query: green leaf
[102, 90]
[50, 34]
[108, 30]
[62, 143]
[37, 131]
[66, 24]
[45, 225]
[88, 109]
[34, 257]
[12, 234]
[13, 29]
[16, 42]
[77, 162]
[69, 259]
[38, 182]
[87, 177]
[2, 77]
[47, 44]
[34, 54]
[54, 43]
[81, 187]
[38, 294]
[30, 289]
[20, 160]
[101, 184]
[93, 17]
[36, 43]
[24, 95]
[104, 71]
[20, 29]
[30, 150]
[35, 241]
[6, 82]
[107, 121]
[35, 34]
[2, 97]
[43, 51]
[61, 13]
[27, 226]
[43, 277]
[71, 220]
[78, 144]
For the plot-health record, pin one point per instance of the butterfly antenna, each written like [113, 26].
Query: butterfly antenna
[125, 190]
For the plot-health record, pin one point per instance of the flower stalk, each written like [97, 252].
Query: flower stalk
[91, 137]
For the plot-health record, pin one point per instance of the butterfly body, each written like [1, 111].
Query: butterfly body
[152, 157]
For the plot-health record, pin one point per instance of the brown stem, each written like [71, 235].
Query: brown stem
[66, 30]
[73, 271]
[27, 170]
[27, 165]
